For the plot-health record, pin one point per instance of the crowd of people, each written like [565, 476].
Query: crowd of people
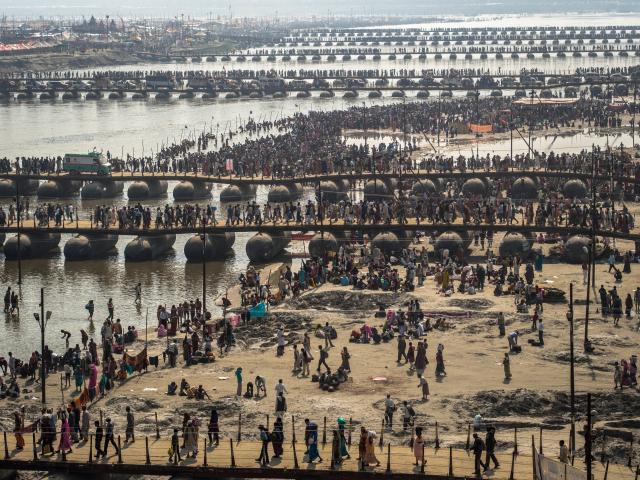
[306, 144]
[313, 143]
[453, 207]
[238, 73]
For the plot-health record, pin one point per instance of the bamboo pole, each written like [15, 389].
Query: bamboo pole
[35, 452]
[293, 429]
[233, 457]
[513, 465]
[324, 432]
[204, 460]
[295, 456]
[389, 457]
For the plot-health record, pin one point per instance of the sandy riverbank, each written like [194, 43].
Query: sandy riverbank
[429, 143]
[536, 396]
[59, 61]
[64, 61]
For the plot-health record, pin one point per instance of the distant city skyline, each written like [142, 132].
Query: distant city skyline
[301, 8]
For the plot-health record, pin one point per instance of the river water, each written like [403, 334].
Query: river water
[126, 126]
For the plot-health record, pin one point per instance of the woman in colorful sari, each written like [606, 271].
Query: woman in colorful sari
[93, 381]
[370, 451]
[65, 436]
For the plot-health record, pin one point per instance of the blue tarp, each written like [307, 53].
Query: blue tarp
[259, 311]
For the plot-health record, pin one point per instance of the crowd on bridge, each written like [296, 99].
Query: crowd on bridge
[312, 73]
[313, 143]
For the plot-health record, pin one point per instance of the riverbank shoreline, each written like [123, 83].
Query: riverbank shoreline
[41, 62]
[78, 60]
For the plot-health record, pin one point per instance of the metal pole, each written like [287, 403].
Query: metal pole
[204, 267]
[591, 273]
[633, 118]
[572, 372]
[531, 123]
[438, 122]
[587, 438]
[477, 122]
[42, 331]
[364, 124]
[18, 220]
[404, 122]
[511, 135]
[593, 225]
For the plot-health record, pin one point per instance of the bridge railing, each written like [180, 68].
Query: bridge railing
[237, 452]
[394, 446]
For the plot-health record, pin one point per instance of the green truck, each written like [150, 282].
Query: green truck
[92, 162]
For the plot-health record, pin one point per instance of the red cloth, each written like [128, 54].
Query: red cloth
[139, 362]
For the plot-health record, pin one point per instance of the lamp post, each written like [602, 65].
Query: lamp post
[587, 439]
[42, 320]
[18, 222]
[572, 372]
[203, 238]
[587, 251]
[477, 95]
[364, 124]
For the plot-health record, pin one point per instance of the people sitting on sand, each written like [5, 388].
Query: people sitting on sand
[172, 388]
[201, 393]
[162, 331]
[12, 391]
[261, 386]
[184, 388]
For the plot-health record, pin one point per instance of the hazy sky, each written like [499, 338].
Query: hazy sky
[164, 8]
